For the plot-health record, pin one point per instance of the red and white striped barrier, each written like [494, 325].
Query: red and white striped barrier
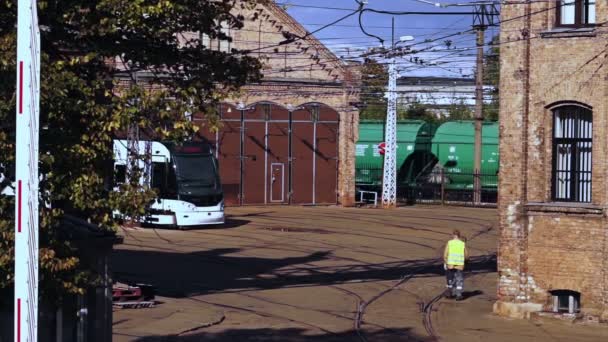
[27, 177]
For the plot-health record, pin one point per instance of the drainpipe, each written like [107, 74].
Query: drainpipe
[241, 108]
[290, 155]
[523, 262]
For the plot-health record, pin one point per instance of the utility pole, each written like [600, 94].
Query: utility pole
[484, 17]
[389, 180]
[478, 115]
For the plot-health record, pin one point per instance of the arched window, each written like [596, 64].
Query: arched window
[572, 150]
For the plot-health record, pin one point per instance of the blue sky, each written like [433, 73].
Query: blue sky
[346, 37]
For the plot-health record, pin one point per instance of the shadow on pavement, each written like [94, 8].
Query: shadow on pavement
[470, 294]
[178, 275]
[292, 335]
[230, 223]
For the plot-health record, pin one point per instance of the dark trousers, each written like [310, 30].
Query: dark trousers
[455, 281]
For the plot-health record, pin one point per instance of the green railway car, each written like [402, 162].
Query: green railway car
[413, 146]
[454, 146]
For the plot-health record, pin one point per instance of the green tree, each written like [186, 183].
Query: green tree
[491, 65]
[459, 111]
[416, 110]
[92, 51]
[374, 79]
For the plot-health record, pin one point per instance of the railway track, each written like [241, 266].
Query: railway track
[362, 306]
[427, 316]
[351, 271]
[427, 309]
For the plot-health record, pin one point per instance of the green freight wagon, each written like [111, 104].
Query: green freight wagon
[454, 147]
[413, 145]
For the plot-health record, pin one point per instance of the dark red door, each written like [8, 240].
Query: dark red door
[254, 155]
[302, 165]
[229, 138]
[326, 157]
[277, 183]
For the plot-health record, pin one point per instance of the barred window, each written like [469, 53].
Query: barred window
[217, 44]
[572, 150]
[576, 13]
[566, 301]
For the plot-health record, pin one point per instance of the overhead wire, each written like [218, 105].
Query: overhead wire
[449, 54]
[449, 58]
[297, 38]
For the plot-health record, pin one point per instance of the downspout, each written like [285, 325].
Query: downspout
[523, 262]
[290, 158]
[241, 157]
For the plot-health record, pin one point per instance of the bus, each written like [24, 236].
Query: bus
[185, 177]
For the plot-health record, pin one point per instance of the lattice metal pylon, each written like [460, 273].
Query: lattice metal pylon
[389, 181]
[148, 164]
[26, 173]
[132, 152]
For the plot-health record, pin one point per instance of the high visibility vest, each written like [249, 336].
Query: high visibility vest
[456, 253]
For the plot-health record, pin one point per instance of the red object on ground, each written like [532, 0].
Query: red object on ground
[140, 292]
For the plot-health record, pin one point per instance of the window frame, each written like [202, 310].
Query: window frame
[217, 44]
[580, 8]
[572, 297]
[581, 113]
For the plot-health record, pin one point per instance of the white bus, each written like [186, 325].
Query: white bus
[186, 178]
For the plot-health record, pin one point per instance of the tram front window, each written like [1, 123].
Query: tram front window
[195, 174]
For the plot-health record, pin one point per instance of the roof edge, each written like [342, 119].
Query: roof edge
[302, 31]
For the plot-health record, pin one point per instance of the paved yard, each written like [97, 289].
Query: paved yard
[321, 274]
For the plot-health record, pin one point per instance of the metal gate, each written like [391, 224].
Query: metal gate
[271, 155]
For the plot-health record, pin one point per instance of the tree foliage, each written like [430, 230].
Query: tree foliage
[374, 80]
[417, 110]
[459, 110]
[491, 66]
[108, 65]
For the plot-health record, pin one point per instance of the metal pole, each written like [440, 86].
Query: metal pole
[478, 115]
[389, 180]
[393, 33]
[290, 157]
[315, 118]
[27, 173]
[242, 155]
[442, 173]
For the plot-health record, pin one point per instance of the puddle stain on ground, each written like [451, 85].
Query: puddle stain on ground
[297, 230]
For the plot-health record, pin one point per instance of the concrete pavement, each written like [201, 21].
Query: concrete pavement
[321, 274]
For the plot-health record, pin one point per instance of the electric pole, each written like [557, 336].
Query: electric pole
[478, 115]
[389, 180]
[484, 17]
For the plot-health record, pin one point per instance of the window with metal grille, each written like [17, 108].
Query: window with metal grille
[576, 13]
[217, 44]
[572, 151]
[566, 301]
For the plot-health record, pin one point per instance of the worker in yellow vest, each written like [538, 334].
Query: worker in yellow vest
[454, 258]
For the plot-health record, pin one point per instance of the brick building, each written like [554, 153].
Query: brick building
[289, 139]
[553, 253]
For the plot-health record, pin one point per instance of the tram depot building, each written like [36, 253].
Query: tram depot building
[291, 138]
[553, 199]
